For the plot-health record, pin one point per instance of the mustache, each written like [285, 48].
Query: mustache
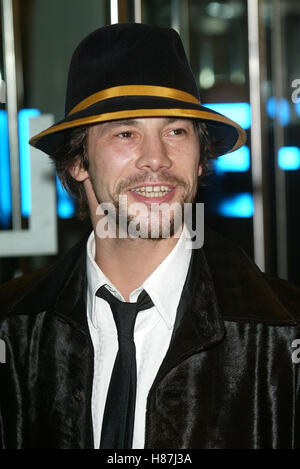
[146, 178]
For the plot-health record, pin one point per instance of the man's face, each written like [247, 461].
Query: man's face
[150, 160]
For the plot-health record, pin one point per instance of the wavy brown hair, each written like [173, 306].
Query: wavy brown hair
[74, 149]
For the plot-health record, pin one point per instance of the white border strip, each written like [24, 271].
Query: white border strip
[256, 132]
[41, 237]
[138, 11]
[114, 11]
[12, 109]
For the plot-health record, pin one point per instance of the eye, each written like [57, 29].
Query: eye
[125, 134]
[178, 131]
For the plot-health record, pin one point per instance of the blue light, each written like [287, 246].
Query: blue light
[238, 160]
[271, 107]
[297, 108]
[238, 112]
[289, 158]
[25, 180]
[278, 109]
[237, 206]
[5, 188]
[65, 203]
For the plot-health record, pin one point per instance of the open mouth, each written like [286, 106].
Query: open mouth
[152, 191]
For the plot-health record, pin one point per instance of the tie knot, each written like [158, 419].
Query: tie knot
[125, 313]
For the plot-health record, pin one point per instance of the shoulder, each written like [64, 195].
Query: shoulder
[287, 293]
[244, 292]
[39, 290]
[13, 291]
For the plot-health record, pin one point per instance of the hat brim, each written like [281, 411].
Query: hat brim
[227, 134]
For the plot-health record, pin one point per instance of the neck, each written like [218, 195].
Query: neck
[129, 262]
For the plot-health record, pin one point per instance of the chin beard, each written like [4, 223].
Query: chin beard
[164, 224]
[144, 229]
[165, 227]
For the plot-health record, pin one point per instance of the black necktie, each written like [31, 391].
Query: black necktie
[118, 418]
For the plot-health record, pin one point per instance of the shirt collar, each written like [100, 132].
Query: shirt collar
[164, 285]
[166, 282]
[95, 279]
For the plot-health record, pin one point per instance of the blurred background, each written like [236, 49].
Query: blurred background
[244, 55]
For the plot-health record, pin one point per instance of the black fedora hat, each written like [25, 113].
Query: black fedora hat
[129, 70]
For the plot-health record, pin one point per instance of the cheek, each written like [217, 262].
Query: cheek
[119, 161]
[107, 166]
[114, 167]
[196, 159]
[189, 160]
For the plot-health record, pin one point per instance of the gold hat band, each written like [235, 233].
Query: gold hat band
[134, 90]
[191, 113]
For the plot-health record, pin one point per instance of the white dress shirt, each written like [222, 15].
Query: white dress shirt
[152, 332]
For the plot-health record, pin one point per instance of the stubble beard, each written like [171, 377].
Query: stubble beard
[174, 221]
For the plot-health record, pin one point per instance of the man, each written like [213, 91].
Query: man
[134, 340]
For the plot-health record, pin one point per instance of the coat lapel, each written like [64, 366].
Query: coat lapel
[198, 323]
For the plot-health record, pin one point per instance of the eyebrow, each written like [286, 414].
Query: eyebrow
[121, 122]
[131, 122]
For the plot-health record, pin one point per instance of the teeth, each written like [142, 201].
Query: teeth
[152, 191]
[151, 194]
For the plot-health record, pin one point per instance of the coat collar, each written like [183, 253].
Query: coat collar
[60, 290]
[243, 292]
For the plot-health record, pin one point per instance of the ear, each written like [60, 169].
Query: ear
[200, 170]
[78, 172]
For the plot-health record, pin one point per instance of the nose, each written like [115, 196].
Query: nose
[153, 154]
